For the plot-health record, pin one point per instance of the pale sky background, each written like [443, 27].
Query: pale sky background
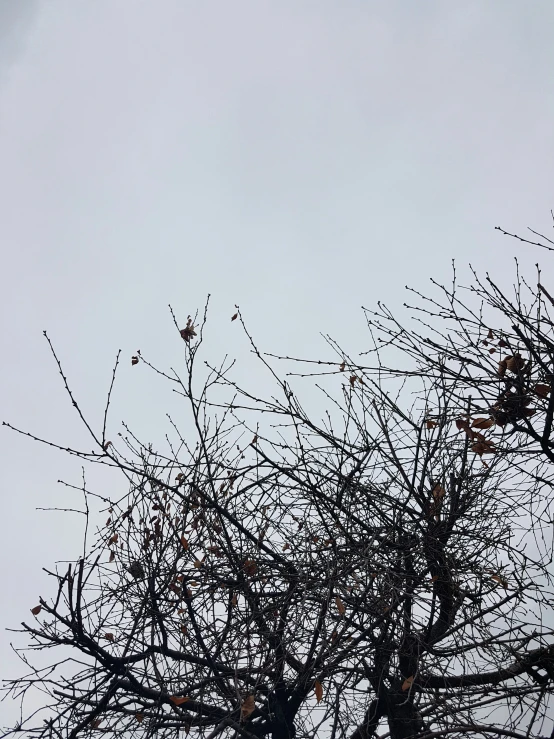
[299, 158]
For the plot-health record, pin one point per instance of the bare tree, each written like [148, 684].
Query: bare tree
[382, 571]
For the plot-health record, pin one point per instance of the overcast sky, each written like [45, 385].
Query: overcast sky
[300, 158]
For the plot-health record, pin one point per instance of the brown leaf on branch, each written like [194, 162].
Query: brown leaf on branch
[234, 317]
[407, 684]
[36, 610]
[342, 366]
[340, 606]
[482, 423]
[109, 637]
[542, 390]
[184, 542]
[501, 580]
[178, 700]
[134, 360]
[188, 332]
[248, 706]
[250, 567]
[139, 717]
[318, 691]
[514, 363]
[483, 447]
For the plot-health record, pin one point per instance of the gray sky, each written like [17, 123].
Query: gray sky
[299, 158]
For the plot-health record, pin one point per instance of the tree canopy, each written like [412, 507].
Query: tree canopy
[384, 570]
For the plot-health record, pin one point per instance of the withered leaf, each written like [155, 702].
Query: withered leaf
[438, 493]
[139, 717]
[482, 423]
[542, 390]
[514, 363]
[430, 424]
[340, 606]
[178, 700]
[501, 580]
[188, 332]
[107, 445]
[36, 610]
[113, 539]
[407, 684]
[250, 567]
[134, 360]
[352, 379]
[234, 317]
[318, 691]
[490, 335]
[109, 637]
[247, 707]
[112, 556]
[342, 366]
[184, 542]
[483, 447]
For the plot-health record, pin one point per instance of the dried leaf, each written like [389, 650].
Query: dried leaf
[340, 606]
[250, 567]
[112, 556]
[234, 317]
[36, 610]
[502, 368]
[106, 445]
[247, 707]
[352, 379]
[483, 447]
[184, 542]
[188, 332]
[430, 424]
[109, 637]
[139, 717]
[482, 423]
[342, 366]
[96, 723]
[197, 564]
[490, 335]
[234, 599]
[438, 493]
[254, 440]
[501, 580]
[178, 700]
[134, 360]
[514, 363]
[318, 691]
[114, 539]
[407, 684]
[286, 546]
[542, 390]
